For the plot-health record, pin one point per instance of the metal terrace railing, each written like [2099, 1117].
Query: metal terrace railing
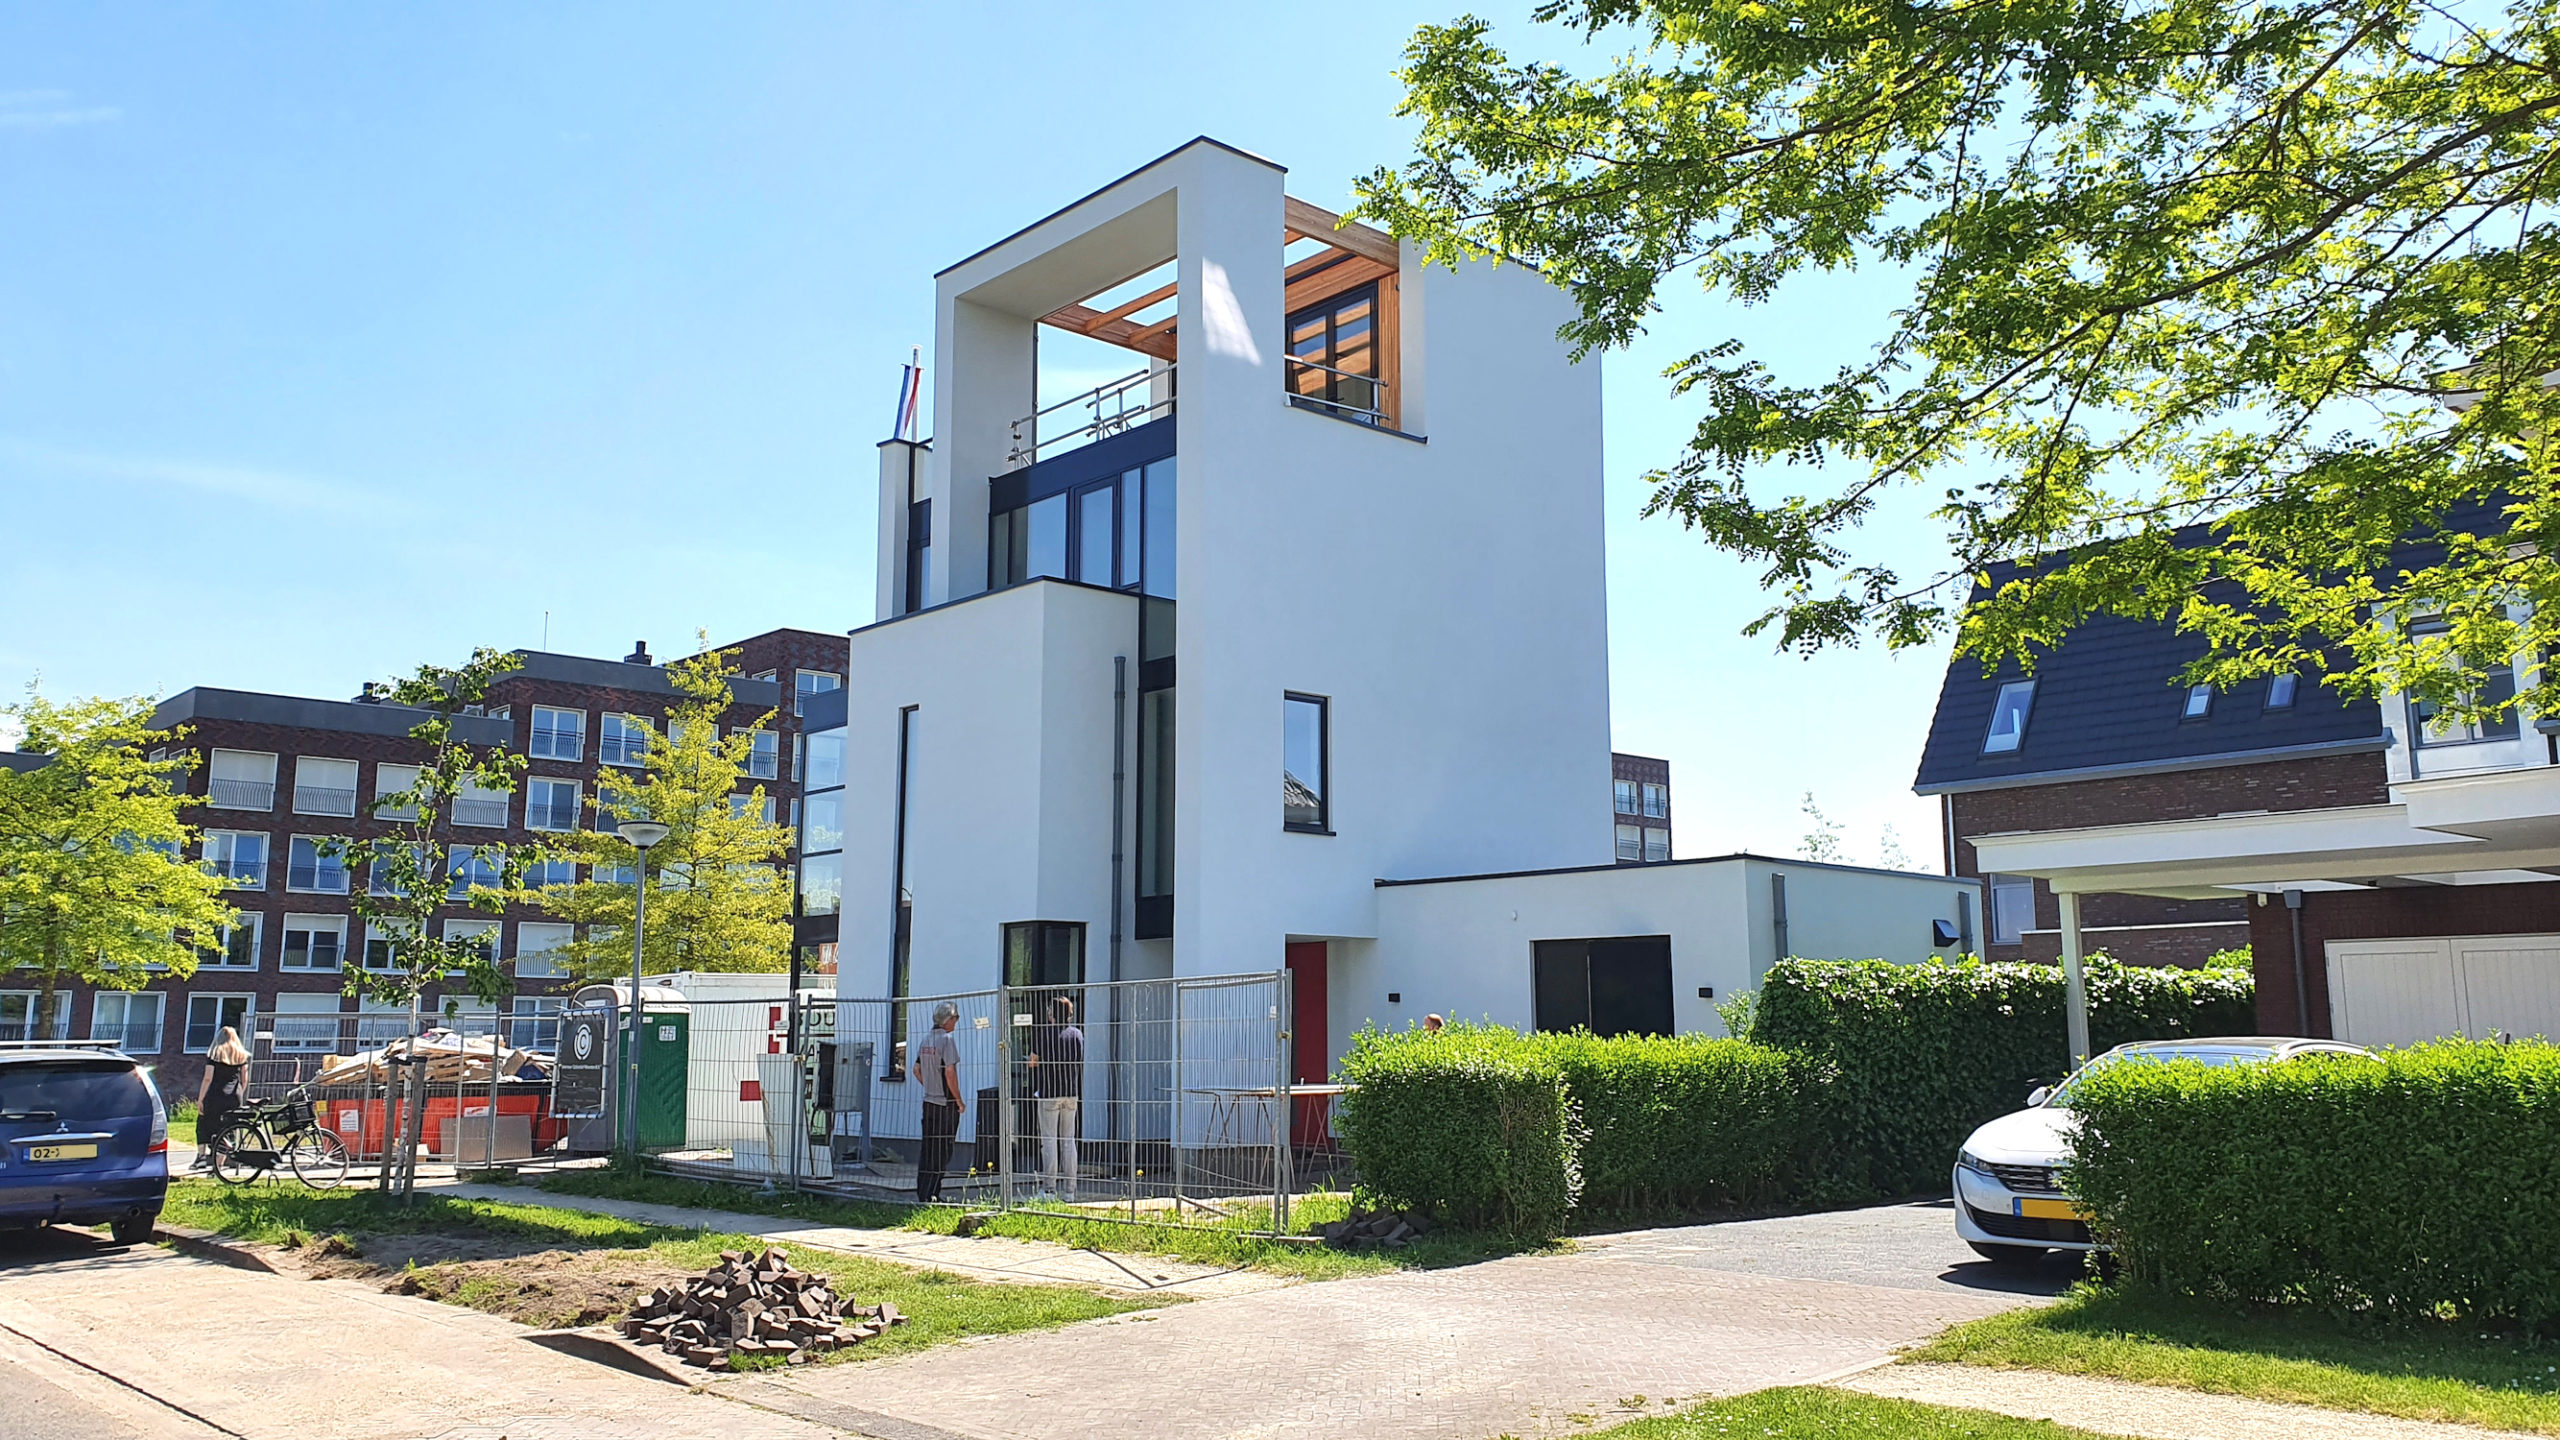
[1362, 398]
[1097, 414]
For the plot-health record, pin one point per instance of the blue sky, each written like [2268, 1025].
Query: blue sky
[336, 339]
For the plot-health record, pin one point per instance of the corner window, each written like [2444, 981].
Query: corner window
[558, 734]
[2199, 703]
[1619, 986]
[825, 752]
[2280, 690]
[2009, 717]
[1305, 803]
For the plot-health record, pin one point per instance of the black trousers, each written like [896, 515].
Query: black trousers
[941, 1126]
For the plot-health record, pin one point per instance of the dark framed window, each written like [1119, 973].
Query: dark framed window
[2199, 703]
[1615, 986]
[1043, 953]
[2280, 690]
[1333, 347]
[919, 553]
[1306, 800]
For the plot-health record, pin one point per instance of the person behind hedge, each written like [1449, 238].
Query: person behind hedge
[1432, 1023]
[218, 1093]
[1057, 1085]
[937, 1065]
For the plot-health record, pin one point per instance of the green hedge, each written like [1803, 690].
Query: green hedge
[1916, 1056]
[2426, 1181]
[1647, 1122]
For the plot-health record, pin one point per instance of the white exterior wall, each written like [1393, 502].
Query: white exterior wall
[1463, 948]
[1008, 787]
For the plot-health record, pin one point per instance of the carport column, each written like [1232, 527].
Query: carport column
[2075, 989]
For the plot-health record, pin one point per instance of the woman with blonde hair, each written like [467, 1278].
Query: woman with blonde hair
[219, 1093]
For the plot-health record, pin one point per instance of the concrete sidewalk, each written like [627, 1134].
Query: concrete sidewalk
[982, 1257]
[2150, 1412]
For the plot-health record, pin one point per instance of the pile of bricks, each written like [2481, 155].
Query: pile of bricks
[1377, 1230]
[750, 1305]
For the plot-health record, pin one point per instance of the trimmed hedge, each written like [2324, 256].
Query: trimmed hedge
[1648, 1122]
[2424, 1181]
[1918, 1055]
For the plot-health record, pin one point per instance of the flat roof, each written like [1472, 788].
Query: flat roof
[1789, 861]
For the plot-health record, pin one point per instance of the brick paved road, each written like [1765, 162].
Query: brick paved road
[1529, 1346]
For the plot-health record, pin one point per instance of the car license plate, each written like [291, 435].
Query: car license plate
[2049, 1210]
[62, 1152]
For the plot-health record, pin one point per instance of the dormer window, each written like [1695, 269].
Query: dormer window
[2280, 690]
[2199, 702]
[2009, 717]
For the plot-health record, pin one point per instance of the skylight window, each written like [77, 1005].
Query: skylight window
[2280, 691]
[2199, 702]
[2009, 717]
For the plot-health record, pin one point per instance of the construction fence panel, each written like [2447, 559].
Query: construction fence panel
[483, 1083]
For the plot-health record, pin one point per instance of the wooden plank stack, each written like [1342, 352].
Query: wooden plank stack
[753, 1305]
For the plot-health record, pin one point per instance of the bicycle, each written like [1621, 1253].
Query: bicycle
[284, 1133]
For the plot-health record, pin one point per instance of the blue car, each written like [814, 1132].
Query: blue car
[84, 1140]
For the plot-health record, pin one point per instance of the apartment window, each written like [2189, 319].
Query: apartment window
[2199, 703]
[379, 1022]
[764, 761]
[2280, 690]
[798, 750]
[1044, 953]
[481, 936]
[242, 780]
[323, 787]
[389, 782]
[316, 865]
[1657, 801]
[1304, 763]
[621, 739]
[1618, 986]
[383, 942]
[234, 947]
[805, 683]
[822, 822]
[380, 876]
[239, 856]
[534, 1022]
[2012, 908]
[1657, 846]
[826, 759]
[307, 1023]
[1631, 842]
[128, 1021]
[557, 734]
[551, 804]
[741, 804]
[314, 942]
[209, 1015]
[2434, 726]
[470, 868]
[1333, 354]
[537, 942]
[18, 1015]
[2009, 717]
[821, 884]
[1628, 804]
[480, 807]
[544, 873]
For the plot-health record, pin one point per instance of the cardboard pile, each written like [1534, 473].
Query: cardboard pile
[450, 1060]
[753, 1305]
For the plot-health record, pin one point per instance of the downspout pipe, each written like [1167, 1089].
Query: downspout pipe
[2301, 981]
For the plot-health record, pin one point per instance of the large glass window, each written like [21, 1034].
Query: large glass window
[826, 759]
[822, 822]
[2435, 726]
[1304, 803]
[558, 734]
[316, 865]
[2009, 717]
[1333, 354]
[470, 868]
[1097, 534]
[1619, 986]
[1657, 801]
[1044, 952]
[1155, 798]
[1044, 526]
[478, 805]
[1657, 846]
[1159, 499]
[821, 884]
[764, 753]
[239, 856]
[18, 1010]
[536, 940]
[1116, 533]
[392, 780]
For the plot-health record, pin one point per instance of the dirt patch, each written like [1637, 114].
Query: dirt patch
[546, 1289]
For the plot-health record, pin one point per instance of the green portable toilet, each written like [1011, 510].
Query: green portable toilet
[666, 1047]
[666, 1053]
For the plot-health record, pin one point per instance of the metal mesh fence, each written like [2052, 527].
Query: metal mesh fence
[485, 1093]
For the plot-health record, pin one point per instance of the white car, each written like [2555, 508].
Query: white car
[2010, 1204]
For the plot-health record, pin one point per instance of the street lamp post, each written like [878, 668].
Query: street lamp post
[640, 835]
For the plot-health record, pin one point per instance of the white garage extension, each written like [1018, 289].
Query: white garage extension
[2402, 991]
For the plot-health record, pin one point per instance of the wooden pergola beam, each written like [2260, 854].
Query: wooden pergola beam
[1372, 255]
[1302, 221]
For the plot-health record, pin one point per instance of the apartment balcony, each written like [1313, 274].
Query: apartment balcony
[486, 814]
[323, 800]
[139, 1037]
[1108, 409]
[241, 794]
[241, 874]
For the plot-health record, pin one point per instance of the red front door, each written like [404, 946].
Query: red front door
[1310, 1047]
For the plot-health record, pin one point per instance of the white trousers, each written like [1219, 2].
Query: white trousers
[1058, 1144]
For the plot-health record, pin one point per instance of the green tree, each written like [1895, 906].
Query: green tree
[93, 883]
[1822, 834]
[720, 899]
[2287, 270]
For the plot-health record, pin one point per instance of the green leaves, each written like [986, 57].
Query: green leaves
[2283, 270]
[2422, 1182]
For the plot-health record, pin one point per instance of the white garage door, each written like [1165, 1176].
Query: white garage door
[2398, 992]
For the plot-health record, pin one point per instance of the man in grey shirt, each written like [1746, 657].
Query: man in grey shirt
[937, 1065]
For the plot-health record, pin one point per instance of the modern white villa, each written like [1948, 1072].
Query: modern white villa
[1291, 647]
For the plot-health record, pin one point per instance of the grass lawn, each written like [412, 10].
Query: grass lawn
[182, 1121]
[506, 1248]
[1817, 1414]
[1229, 1243]
[2424, 1371]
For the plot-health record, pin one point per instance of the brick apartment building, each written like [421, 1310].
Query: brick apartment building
[281, 775]
[1642, 805]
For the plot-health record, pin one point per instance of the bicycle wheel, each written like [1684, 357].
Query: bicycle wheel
[318, 1157]
[240, 1152]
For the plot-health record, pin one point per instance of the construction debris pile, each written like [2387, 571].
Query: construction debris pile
[448, 1059]
[754, 1305]
[1377, 1230]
